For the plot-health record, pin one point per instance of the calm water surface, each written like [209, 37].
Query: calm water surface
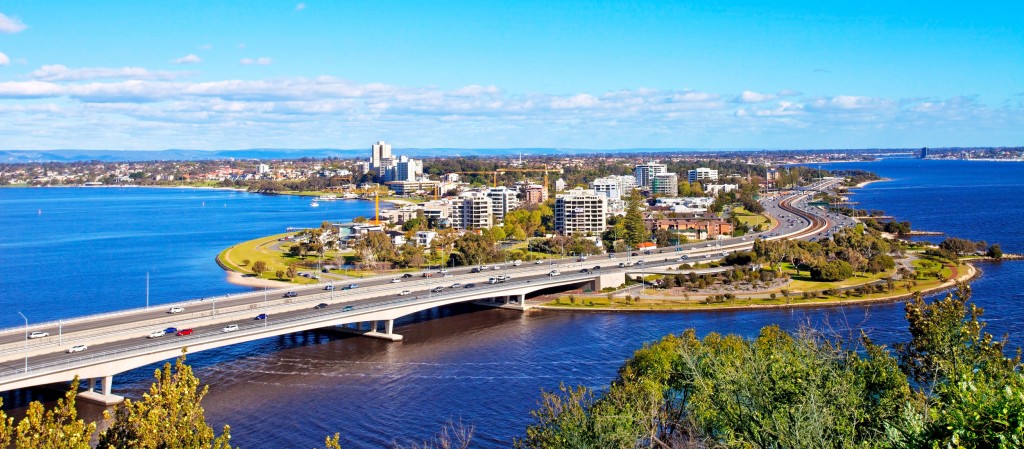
[483, 367]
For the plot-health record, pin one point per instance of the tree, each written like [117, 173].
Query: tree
[635, 231]
[170, 416]
[831, 271]
[280, 274]
[994, 251]
[291, 272]
[475, 248]
[57, 428]
[259, 268]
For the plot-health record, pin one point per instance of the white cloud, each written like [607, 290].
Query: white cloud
[188, 59]
[59, 72]
[300, 6]
[10, 25]
[257, 61]
[4, 60]
[749, 96]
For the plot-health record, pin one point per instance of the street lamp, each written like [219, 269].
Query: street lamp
[26, 340]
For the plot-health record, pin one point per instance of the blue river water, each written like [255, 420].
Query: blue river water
[69, 251]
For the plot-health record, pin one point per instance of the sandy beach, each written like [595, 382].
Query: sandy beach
[248, 281]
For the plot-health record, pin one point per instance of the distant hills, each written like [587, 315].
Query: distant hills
[22, 156]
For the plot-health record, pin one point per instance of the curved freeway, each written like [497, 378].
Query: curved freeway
[113, 338]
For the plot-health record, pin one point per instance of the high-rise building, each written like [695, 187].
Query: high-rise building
[609, 186]
[380, 153]
[534, 194]
[580, 211]
[503, 200]
[645, 172]
[472, 210]
[702, 174]
[559, 185]
[665, 184]
[407, 169]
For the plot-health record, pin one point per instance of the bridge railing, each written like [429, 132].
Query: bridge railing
[268, 326]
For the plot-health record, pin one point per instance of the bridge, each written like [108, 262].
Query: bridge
[117, 342]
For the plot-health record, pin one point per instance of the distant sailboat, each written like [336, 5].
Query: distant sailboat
[314, 204]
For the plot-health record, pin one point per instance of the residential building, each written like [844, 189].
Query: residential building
[702, 174]
[609, 186]
[408, 169]
[698, 228]
[644, 173]
[665, 184]
[503, 200]
[380, 152]
[714, 189]
[412, 187]
[559, 185]
[534, 194]
[425, 238]
[437, 212]
[262, 169]
[771, 176]
[580, 211]
[472, 210]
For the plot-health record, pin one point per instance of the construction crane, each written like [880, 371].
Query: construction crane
[544, 170]
[493, 173]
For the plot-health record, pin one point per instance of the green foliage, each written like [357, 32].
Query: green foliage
[259, 267]
[961, 247]
[831, 271]
[170, 416]
[633, 227]
[57, 428]
[994, 251]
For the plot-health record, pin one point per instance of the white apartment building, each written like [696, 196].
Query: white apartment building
[407, 169]
[714, 189]
[380, 152]
[609, 186]
[425, 238]
[645, 172]
[472, 210]
[665, 184]
[503, 200]
[580, 211]
[702, 174]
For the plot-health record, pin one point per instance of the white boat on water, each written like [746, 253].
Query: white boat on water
[314, 204]
[328, 197]
[350, 196]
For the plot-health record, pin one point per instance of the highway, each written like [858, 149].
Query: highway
[119, 332]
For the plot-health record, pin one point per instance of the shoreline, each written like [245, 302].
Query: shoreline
[865, 183]
[972, 273]
[236, 278]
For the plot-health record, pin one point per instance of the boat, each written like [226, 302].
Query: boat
[328, 197]
[350, 196]
[314, 204]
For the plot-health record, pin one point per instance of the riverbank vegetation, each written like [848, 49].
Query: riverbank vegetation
[949, 385]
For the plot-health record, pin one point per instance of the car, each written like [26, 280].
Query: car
[352, 286]
[404, 292]
[171, 330]
[483, 267]
[475, 270]
[539, 262]
[346, 308]
[261, 316]
[725, 253]
[611, 256]
[455, 285]
[157, 334]
[634, 254]
[184, 332]
[314, 277]
[176, 310]
[470, 285]
[321, 305]
[647, 252]
[679, 259]
[290, 295]
[38, 334]
[496, 268]
[407, 275]
[443, 271]
[426, 275]
[596, 267]
[581, 259]
[640, 262]
[395, 281]
[584, 270]
[446, 275]
[77, 348]
[329, 287]
[324, 270]
[622, 264]
[230, 328]
[517, 263]
[437, 289]
[305, 275]
[492, 281]
[554, 273]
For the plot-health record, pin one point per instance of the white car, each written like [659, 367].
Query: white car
[455, 285]
[176, 310]
[496, 267]
[554, 273]
[539, 262]
[405, 292]
[395, 281]
[230, 328]
[77, 348]
[38, 334]
[157, 334]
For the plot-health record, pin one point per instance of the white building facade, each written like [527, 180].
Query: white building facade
[581, 212]
[702, 174]
[644, 173]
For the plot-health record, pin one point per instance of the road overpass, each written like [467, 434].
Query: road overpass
[117, 341]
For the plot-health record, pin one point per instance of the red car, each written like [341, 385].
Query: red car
[184, 332]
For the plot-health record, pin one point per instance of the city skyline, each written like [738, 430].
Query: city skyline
[572, 75]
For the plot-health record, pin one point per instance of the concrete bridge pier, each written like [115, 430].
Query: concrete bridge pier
[388, 334]
[103, 397]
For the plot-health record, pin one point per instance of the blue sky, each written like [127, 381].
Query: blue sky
[342, 74]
